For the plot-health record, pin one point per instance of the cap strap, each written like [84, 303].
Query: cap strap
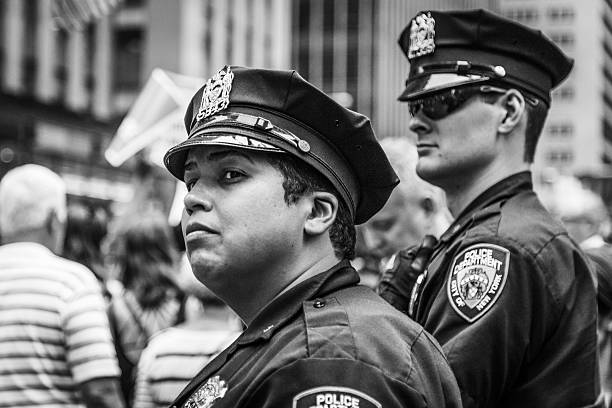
[255, 122]
[462, 68]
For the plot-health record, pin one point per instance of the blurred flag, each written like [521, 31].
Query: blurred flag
[76, 14]
[154, 123]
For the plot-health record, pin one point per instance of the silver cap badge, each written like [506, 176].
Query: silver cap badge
[215, 95]
[422, 36]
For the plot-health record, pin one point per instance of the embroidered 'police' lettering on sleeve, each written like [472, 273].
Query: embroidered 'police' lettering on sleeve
[334, 397]
[478, 275]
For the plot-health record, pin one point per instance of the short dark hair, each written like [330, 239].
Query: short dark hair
[536, 111]
[536, 116]
[301, 179]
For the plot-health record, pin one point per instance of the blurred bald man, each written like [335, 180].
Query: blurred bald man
[415, 208]
[56, 344]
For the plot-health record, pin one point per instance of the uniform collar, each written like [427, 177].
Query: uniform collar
[274, 316]
[277, 314]
[484, 203]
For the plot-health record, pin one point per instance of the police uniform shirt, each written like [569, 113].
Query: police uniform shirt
[328, 342]
[510, 298]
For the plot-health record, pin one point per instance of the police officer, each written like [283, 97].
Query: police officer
[506, 292]
[277, 175]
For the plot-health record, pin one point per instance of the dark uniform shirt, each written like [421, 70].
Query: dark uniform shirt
[511, 300]
[328, 342]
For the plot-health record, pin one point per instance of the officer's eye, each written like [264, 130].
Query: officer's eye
[232, 175]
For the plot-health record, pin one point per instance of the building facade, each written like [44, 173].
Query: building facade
[64, 93]
[577, 137]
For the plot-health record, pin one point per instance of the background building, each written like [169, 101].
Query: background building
[574, 139]
[64, 92]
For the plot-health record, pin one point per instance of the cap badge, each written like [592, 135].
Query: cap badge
[215, 94]
[214, 389]
[422, 36]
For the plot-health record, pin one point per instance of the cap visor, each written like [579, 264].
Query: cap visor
[431, 83]
[176, 156]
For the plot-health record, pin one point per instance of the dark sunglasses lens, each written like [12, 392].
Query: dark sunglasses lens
[433, 107]
[437, 109]
[441, 105]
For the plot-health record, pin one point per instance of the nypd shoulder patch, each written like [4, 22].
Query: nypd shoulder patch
[334, 397]
[478, 275]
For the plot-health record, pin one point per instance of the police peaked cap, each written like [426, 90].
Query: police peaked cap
[279, 111]
[452, 48]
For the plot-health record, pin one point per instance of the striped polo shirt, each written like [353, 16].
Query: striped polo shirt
[172, 358]
[54, 331]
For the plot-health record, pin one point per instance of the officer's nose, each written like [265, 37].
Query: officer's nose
[195, 200]
[418, 124]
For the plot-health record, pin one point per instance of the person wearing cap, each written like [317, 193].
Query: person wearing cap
[505, 291]
[277, 175]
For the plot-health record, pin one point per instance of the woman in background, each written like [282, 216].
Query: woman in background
[146, 263]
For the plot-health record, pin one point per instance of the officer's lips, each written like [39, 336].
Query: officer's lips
[421, 145]
[196, 230]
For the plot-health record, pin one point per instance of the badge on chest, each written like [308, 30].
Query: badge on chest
[214, 389]
[478, 275]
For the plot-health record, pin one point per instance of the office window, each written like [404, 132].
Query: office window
[523, 15]
[561, 130]
[29, 60]
[560, 157]
[560, 14]
[61, 63]
[564, 93]
[128, 58]
[562, 39]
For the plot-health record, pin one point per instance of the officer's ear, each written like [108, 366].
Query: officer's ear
[56, 231]
[324, 208]
[514, 104]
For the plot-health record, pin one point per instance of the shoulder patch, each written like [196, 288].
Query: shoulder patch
[478, 275]
[334, 397]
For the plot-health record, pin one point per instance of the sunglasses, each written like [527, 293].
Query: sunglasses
[442, 104]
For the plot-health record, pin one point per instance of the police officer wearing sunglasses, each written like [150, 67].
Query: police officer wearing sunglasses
[505, 291]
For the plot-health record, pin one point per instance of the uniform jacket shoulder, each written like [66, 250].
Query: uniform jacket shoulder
[521, 223]
[535, 239]
[356, 323]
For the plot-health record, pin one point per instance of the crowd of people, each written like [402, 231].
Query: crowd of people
[84, 295]
[467, 287]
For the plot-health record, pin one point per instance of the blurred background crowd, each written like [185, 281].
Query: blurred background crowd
[96, 90]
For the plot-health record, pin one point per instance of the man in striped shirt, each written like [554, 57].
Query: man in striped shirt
[55, 343]
[175, 355]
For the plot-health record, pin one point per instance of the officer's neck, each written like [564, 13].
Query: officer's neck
[461, 191]
[309, 264]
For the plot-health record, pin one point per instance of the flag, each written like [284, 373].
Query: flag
[76, 14]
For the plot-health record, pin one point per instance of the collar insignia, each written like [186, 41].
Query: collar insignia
[214, 389]
[477, 278]
[215, 95]
[422, 36]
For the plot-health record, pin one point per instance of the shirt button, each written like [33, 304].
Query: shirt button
[319, 304]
